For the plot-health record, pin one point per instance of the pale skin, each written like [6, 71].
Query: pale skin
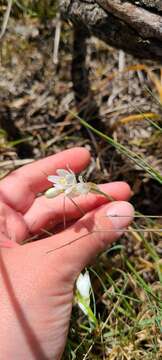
[36, 286]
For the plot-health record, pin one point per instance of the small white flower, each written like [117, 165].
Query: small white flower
[83, 187]
[65, 182]
[83, 285]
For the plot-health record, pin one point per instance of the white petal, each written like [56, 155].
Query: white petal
[52, 192]
[80, 178]
[70, 191]
[72, 173]
[83, 188]
[66, 174]
[62, 172]
[82, 307]
[71, 179]
[53, 178]
[83, 285]
[60, 186]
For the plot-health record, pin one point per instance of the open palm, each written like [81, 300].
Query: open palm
[36, 283]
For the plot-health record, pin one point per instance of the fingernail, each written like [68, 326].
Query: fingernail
[121, 214]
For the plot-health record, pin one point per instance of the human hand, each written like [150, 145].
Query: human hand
[37, 285]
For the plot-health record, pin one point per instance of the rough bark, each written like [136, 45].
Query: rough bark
[134, 26]
[150, 4]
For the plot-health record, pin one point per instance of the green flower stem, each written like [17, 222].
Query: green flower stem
[91, 316]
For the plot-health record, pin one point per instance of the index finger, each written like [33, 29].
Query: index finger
[19, 188]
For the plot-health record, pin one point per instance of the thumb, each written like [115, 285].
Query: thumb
[80, 243]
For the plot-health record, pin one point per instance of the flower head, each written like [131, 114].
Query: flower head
[63, 179]
[83, 285]
[65, 182]
[83, 187]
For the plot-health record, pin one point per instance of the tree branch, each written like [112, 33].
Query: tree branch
[119, 32]
[148, 24]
